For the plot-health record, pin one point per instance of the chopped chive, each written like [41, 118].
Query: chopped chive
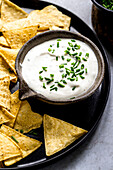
[49, 81]
[84, 59]
[14, 139]
[56, 58]
[86, 70]
[87, 55]
[44, 86]
[50, 45]
[74, 88]
[70, 44]
[62, 57]
[40, 72]
[21, 131]
[80, 53]
[82, 77]
[82, 72]
[53, 51]
[68, 48]
[74, 54]
[63, 75]
[68, 59]
[82, 66]
[58, 39]
[61, 66]
[54, 88]
[76, 78]
[71, 79]
[72, 69]
[72, 98]
[41, 78]
[77, 70]
[58, 44]
[61, 85]
[64, 81]
[73, 48]
[46, 78]
[49, 49]
[52, 75]
[44, 68]
[73, 40]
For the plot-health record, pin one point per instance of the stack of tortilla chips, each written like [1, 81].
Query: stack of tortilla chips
[16, 117]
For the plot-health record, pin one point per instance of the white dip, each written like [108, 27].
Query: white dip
[49, 70]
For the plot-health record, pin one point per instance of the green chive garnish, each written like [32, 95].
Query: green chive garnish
[44, 86]
[49, 81]
[84, 59]
[56, 58]
[54, 88]
[40, 72]
[44, 68]
[41, 78]
[74, 88]
[49, 49]
[14, 139]
[68, 59]
[62, 57]
[58, 39]
[86, 70]
[61, 85]
[58, 44]
[52, 75]
[73, 40]
[50, 45]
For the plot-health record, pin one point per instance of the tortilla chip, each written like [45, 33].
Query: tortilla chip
[5, 92]
[56, 14]
[27, 144]
[15, 106]
[3, 117]
[9, 56]
[8, 148]
[7, 113]
[59, 134]
[3, 41]
[27, 119]
[6, 71]
[44, 20]
[11, 12]
[17, 38]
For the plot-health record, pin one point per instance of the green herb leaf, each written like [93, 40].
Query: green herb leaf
[14, 139]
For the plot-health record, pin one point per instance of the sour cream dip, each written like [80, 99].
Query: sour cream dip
[60, 69]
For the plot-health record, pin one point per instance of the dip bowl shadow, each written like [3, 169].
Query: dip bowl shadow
[26, 92]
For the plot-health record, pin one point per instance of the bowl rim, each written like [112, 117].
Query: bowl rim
[81, 97]
[102, 7]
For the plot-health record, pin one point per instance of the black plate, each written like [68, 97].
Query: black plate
[85, 114]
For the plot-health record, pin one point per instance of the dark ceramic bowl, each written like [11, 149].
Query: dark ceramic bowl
[26, 92]
[98, 4]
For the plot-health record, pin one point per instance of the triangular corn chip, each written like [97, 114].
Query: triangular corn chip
[3, 117]
[9, 56]
[0, 25]
[5, 92]
[15, 106]
[6, 71]
[27, 144]
[11, 12]
[3, 41]
[17, 38]
[8, 148]
[59, 134]
[56, 14]
[27, 119]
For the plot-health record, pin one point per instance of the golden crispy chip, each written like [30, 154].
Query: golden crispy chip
[17, 38]
[8, 148]
[3, 41]
[27, 119]
[56, 14]
[5, 92]
[18, 24]
[27, 144]
[44, 20]
[59, 134]
[7, 113]
[11, 12]
[9, 56]
[3, 117]
[15, 106]
[6, 71]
